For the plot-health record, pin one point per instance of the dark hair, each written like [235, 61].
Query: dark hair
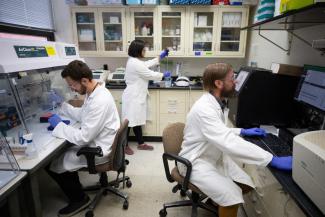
[213, 72]
[77, 70]
[136, 47]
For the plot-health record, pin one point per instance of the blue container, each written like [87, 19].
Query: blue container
[179, 2]
[200, 2]
[133, 2]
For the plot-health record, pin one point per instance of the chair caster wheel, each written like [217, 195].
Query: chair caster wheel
[182, 193]
[127, 162]
[162, 213]
[117, 185]
[126, 204]
[89, 213]
[128, 183]
[175, 189]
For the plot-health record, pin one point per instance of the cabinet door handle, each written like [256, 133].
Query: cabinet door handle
[259, 192]
[258, 212]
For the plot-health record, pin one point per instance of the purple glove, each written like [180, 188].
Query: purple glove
[54, 120]
[50, 128]
[163, 54]
[282, 163]
[167, 74]
[253, 132]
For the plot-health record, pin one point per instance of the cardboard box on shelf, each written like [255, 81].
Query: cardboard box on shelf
[286, 69]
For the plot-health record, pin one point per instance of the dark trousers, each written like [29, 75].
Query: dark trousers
[138, 134]
[70, 184]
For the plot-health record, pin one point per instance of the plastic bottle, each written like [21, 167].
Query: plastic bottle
[168, 81]
[144, 30]
[31, 151]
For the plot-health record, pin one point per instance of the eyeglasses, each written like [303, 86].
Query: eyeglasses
[233, 78]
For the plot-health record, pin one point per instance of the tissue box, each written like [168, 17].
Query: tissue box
[288, 5]
[200, 2]
[179, 2]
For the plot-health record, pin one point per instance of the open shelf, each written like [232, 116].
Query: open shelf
[308, 16]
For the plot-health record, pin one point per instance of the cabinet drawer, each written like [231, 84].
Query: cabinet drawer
[150, 129]
[172, 107]
[174, 96]
[164, 120]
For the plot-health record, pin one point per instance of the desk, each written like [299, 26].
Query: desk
[48, 147]
[9, 191]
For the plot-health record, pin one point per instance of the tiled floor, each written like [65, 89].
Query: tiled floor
[149, 191]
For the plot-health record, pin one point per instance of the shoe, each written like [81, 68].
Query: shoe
[74, 207]
[144, 146]
[128, 150]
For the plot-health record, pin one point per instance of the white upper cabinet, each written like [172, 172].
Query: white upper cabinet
[86, 30]
[202, 33]
[231, 42]
[113, 31]
[171, 29]
[187, 31]
[143, 26]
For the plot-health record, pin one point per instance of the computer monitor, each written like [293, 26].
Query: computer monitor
[264, 98]
[311, 88]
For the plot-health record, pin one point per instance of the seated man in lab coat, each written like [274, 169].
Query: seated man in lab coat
[212, 147]
[99, 122]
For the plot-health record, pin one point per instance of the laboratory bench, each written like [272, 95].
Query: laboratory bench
[165, 106]
[156, 87]
[269, 195]
[48, 148]
[10, 193]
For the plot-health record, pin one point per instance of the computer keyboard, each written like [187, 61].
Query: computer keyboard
[272, 144]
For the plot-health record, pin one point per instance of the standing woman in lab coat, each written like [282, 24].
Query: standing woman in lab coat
[134, 99]
[213, 148]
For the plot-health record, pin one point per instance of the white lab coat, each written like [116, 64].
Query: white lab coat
[99, 122]
[134, 98]
[212, 147]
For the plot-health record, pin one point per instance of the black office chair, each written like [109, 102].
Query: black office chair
[116, 162]
[172, 140]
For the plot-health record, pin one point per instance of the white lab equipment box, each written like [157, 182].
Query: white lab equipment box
[309, 165]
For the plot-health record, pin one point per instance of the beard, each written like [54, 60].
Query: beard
[228, 93]
[83, 90]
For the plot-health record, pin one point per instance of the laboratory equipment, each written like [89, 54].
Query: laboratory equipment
[9, 168]
[264, 98]
[117, 77]
[100, 75]
[308, 165]
[31, 85]
[182, 81]
[311, 89]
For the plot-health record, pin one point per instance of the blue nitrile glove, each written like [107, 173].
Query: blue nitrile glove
[50, 128]
[282, 163]
[167, 74]
[253, 132]
[54, 120]
[163, 54]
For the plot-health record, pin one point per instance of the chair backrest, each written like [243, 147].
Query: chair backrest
[173, 137]
[116, 157]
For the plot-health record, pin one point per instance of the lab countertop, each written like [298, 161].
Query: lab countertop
[156, 87]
